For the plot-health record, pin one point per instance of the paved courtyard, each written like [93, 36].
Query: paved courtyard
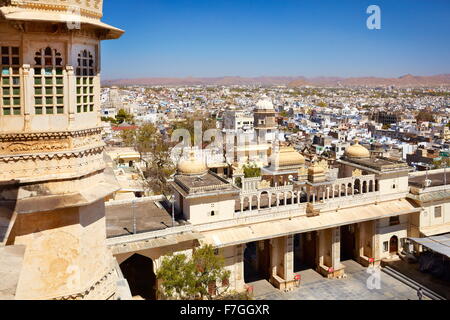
[354, 287]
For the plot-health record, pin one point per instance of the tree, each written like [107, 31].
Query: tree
[128, 138]
[425, 116]
[189, 124]
[194, 278]
[251, 171]
[443, 163]
[155, 151]
[123, 116]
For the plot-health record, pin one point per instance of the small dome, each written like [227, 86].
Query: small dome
[288, 156]
[357, 151]
[192, 167]
[265, 104]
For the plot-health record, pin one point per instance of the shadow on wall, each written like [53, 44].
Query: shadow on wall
[9, 191]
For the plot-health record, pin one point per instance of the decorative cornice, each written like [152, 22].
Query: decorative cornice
[95, 12]
[49, 156]
[32, 136]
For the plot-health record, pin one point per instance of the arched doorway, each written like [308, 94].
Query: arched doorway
[393, 245]
[138, 270]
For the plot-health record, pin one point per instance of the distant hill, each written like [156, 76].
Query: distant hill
[404, 81]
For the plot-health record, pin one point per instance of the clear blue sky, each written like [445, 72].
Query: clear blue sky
[208, 38]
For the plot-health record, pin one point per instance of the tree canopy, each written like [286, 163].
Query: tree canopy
[155, 151]
[251, 171]
[196, 277]
[123, 116]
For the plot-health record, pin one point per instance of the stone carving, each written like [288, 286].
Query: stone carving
[264, 184]
[86, 141]
[29, 147]
[91, 8]
[324, 165]
[238, 171]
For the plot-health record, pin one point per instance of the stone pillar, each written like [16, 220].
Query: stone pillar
[368, 244]
[282, 263]
[239, 281]
[27, 94]
[70, 95]
[330, 253]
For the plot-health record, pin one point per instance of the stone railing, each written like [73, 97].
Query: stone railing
[418, 191]
[257, 216]
[131, 201]
[149, 235]
[358, 200]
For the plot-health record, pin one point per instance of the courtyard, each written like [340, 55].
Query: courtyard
[354, 287]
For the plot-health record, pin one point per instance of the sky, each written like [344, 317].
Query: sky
[251, 38]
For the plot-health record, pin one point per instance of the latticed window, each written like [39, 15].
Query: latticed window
[85, 82]
[10, 88]
[48, 82]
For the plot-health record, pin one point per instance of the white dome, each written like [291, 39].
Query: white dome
[265, 104]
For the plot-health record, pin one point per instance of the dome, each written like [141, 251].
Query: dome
[265, 104]
[357, 151]
[192, 167]
[288, 156]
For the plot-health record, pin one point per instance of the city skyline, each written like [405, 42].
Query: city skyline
[298, 38]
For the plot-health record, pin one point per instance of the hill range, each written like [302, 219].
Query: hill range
[404, 81]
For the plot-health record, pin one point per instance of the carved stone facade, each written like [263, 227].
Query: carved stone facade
[51, 150]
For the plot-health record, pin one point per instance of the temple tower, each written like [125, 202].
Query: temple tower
[265, 121]
[52, 174]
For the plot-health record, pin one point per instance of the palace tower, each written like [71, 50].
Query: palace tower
[52, 179]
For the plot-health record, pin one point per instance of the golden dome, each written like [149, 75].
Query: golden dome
[192, 167]
[288, 156]
[357, 151]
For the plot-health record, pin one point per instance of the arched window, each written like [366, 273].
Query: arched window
[10, 87]
[85, 82]
[48, 82]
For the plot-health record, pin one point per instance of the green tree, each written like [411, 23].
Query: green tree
[194, 278]
[251, 171]
[123, 116]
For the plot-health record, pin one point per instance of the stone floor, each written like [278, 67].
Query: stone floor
[354, 287]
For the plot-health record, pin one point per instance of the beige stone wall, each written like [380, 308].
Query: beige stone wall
[429, 219]
[198, 210]
[65, 251]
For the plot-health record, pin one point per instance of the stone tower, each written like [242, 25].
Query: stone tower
[52, 179]
[265, 121]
